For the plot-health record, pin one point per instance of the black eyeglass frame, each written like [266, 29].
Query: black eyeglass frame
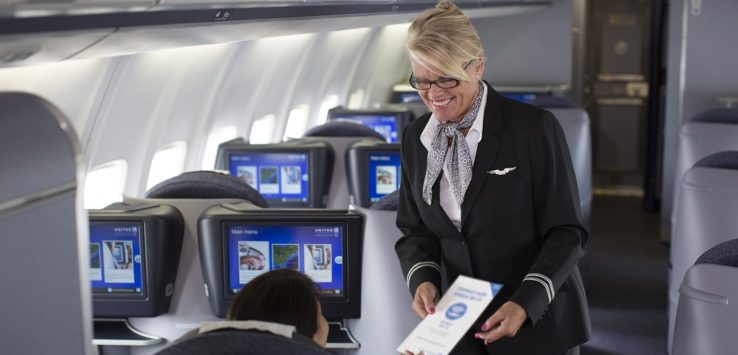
[456, 82]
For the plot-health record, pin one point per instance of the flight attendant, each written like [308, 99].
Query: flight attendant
[488, 191]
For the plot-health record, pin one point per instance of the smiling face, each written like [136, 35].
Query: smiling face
[449, 104]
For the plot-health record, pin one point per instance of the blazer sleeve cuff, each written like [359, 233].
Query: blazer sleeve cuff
[422, 272]
[534, 294]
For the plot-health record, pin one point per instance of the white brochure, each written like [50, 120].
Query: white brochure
[457, 310]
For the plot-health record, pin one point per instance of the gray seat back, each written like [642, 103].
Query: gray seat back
[575, 123]
[338, 194]
[46, 302]
[705, 217]
[708, 304]
[385, 295]
[709, 132]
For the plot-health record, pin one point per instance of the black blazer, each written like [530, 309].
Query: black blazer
[521, 229]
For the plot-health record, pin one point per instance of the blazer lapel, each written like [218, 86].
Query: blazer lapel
[486, 151]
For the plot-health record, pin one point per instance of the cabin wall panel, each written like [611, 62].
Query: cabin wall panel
[711, 56]
[330, 70]
[128, 107]
[72, 86]
[385, 64]
[254, 87]
[151, 103]
[703, 52]
[191, 107]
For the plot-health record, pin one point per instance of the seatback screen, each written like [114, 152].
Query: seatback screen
[116, 265]
[384, 174]
[282, 176]
[315, 250]
[520, 96]
[406, 97]
[386, 125]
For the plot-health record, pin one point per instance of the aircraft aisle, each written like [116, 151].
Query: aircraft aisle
[625, 279]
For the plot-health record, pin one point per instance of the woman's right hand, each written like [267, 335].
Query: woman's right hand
[426, 296]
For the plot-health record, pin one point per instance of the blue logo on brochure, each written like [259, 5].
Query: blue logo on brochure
[456, 311]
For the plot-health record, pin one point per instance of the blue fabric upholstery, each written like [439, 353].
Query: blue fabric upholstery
[342, 129]
[719, 115]
[725, 253]
[389, 202]
[206, 184]
[240, 342]
[721, 160]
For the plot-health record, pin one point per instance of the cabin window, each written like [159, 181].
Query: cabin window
[297, 122]
[104, 184]
[262, 130]
[221, 135]
[167, 162]
[330, 102]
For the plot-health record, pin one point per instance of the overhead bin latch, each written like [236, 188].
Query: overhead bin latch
[222, 15]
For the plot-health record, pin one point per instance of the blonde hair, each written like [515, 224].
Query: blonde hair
[444, 39]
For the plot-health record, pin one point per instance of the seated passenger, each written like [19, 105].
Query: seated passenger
[278, 312]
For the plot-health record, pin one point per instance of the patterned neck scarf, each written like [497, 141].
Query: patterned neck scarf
[460, 164]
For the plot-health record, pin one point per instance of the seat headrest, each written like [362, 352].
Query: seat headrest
[389, 202]
[244, 342]
[718, 115]
[722, 254]
[342, 129]
[206, 184]
[722, 160]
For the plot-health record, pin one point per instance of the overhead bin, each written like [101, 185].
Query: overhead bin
[21, 50]
[139, 27]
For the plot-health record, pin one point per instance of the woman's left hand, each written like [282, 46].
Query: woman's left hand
[504, 323]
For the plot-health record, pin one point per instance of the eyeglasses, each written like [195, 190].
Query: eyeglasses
[441, 82]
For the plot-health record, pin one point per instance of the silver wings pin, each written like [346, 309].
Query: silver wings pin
[502, 171]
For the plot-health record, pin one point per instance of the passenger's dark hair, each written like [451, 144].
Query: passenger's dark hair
[281, 296]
